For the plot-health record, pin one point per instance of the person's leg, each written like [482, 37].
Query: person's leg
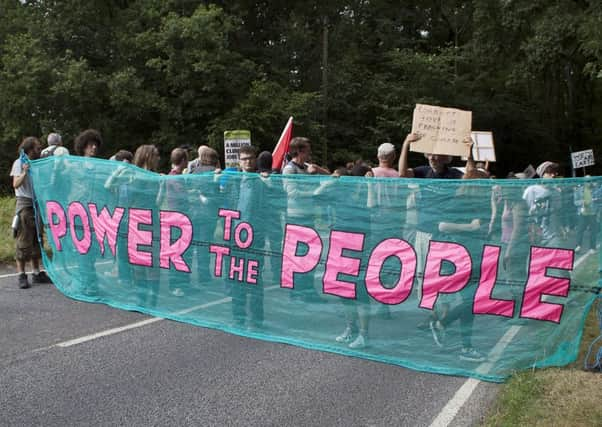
[593, 231]
[24, 244]
[238, 304]
[256, 302]
[581, 225]
[350, 313]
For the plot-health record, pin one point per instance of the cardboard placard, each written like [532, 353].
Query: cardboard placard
[233, 140]
[442, 130]
[583, 158]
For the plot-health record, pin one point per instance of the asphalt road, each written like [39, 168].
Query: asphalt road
[168, 373]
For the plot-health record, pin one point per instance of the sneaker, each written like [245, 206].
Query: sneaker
[23, 282]
[346, 336]
[177, 292]
[41, 277]
[359, 342]
[438, 331]
[471, 355]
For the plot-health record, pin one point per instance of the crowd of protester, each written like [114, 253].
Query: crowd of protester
[510, 218]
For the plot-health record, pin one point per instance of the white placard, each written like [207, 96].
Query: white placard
[483, 148]
[583, 158]
[233, 140]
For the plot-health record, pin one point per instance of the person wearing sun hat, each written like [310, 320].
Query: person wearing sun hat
[545, 205]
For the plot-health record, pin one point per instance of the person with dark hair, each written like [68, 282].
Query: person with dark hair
[27, 247]
[178, 160]
[247, 158]
[123, 156]
[247, 299]
[300, 151]
[423, 212]
[87, 143]
[264, 163]
[474, 231]
[358, 312]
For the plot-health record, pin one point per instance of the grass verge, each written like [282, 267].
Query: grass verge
[7, 243]
[566, 396]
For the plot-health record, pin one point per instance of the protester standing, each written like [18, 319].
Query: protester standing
[27, 247]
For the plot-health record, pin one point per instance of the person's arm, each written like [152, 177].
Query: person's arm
[315, 169]
[519, 230]
[404, 171]
[18, 179]
[494, 212]
[470, 163]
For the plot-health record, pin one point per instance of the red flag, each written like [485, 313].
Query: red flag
[283, 144]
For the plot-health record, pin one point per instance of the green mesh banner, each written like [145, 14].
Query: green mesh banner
[476, 278]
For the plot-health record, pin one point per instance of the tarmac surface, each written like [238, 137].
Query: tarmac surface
[161, 372]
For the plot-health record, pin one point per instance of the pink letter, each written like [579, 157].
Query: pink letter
[77, 209]
[538, 283]
[483, 303]
[252, 271]
[105, 225]
[173, 251]
[219, 252]
[59, 229]
[293, 263]
[434, 283]
[249, 240]
[406, 255]
[337, 263]
[237, 269]
[228, 215]
[140, 237]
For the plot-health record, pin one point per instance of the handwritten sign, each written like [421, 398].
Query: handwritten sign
[233, 140]
[582, 159]
[442, 130]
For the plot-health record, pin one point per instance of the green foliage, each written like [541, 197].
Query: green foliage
[180, 73]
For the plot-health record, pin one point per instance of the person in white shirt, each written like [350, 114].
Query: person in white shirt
[27, 247]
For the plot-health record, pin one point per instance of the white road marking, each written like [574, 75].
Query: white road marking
[451, 409]
[453, 406]
[142, 323]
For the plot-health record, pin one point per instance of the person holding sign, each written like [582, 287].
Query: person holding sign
[474, 229]
[437, 167]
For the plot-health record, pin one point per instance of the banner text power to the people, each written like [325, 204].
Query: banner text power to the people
[346, 254]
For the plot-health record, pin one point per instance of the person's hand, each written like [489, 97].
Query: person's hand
[311, 169]
[412, 137]
[217, 171]
[475, 224]
[443, 227]
[264, 174]
[468, 143]
[369, 174]
[25, 167]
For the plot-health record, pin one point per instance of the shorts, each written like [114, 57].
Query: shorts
[26, 241]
